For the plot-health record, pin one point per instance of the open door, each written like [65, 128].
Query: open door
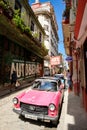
[85, 61]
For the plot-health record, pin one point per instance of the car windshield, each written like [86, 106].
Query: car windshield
[45, 85]
[59, 76]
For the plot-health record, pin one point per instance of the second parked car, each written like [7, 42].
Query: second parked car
[62, 78]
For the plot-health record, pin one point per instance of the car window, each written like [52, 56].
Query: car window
[62, 80]
[36, 84]
[45, 85]
[59, 77]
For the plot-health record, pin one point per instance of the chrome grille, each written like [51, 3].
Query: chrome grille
[34, 109]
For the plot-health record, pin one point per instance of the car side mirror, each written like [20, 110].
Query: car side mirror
[61, 86]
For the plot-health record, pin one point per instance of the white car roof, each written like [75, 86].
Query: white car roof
[54, 79]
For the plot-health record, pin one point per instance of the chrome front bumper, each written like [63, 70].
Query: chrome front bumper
[35, 116]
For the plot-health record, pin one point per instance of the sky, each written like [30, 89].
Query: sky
[59, 7]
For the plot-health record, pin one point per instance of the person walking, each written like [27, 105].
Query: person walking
[69, 80]
[13, 79]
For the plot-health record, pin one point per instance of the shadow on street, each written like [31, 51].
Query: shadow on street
[77, 117]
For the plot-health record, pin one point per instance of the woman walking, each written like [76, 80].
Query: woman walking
[69, 81]
[13, 79]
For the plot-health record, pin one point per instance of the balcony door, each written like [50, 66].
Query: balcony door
[85, 61]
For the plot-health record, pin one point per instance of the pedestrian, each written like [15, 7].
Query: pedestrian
[69, 80]
[60, 84]
[13, 79]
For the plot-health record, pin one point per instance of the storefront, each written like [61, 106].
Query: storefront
[21, 42]
[15, 57]
[81, 44]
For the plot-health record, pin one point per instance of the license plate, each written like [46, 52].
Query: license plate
[30, 116]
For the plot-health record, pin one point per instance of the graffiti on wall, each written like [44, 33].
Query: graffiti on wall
[28, 68]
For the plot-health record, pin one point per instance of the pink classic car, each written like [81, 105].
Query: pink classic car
[42, 101]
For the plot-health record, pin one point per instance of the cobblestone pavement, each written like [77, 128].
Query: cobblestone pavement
[10, 120]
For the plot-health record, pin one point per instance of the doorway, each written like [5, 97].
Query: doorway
[85, 60]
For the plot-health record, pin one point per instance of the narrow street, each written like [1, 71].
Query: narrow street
[72, 117]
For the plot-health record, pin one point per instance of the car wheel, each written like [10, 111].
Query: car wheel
[21, 117]
[59, 113]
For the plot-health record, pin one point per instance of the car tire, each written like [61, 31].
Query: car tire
[21, 117]
[55, 123]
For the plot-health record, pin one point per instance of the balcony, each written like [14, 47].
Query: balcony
[18, 34]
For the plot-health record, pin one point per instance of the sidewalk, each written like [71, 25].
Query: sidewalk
[74, 116]
[5, 92]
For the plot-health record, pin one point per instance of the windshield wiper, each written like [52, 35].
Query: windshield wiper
[50, 89]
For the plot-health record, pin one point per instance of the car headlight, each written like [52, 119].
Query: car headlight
[52, 107]
[15, 100]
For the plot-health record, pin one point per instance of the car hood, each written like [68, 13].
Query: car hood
[39, 97]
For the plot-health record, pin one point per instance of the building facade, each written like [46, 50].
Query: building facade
[21, 41]
[46, 16]
[78, 46]
[80, 40]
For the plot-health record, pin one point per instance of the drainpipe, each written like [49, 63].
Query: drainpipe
[78, 87]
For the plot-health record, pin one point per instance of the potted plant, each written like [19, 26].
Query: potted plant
[18, 21]
[27, 30]
[2, 5]
[35, 35]
[8, 11]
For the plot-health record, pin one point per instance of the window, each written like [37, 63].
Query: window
[40, 36]
[46, 27]
[17, 4]
[32, 26]
[45, 85]
[67, 39]
[6, 45]
[46, 19]
[47, 38]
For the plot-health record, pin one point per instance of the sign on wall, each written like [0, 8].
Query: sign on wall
[29, 68]
[55, 60]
